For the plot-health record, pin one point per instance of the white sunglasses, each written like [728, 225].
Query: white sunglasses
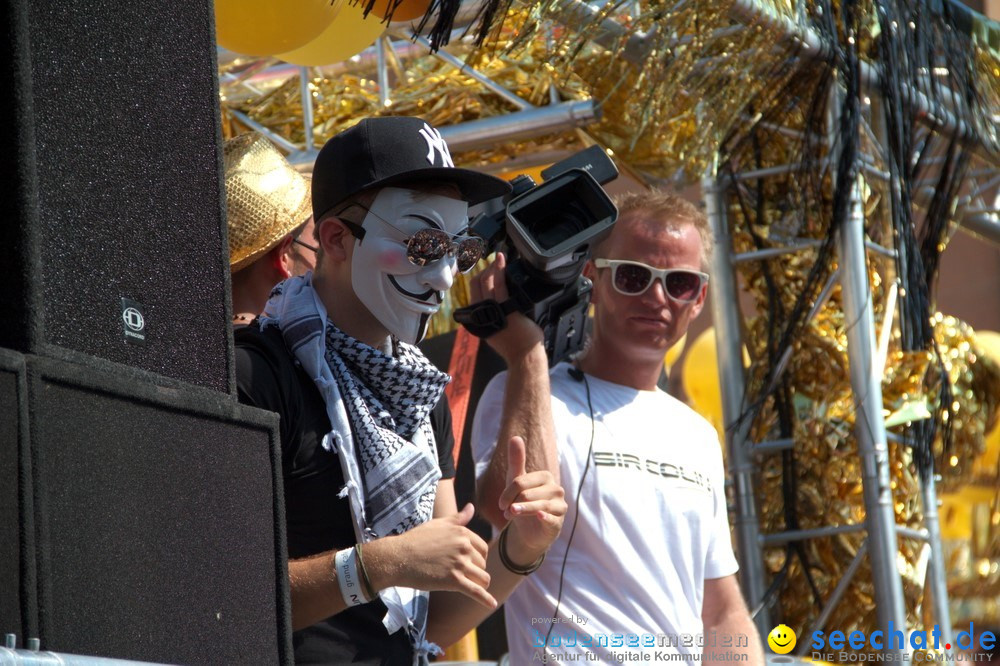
[633, 278]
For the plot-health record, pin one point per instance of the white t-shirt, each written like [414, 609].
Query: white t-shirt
[652, 526]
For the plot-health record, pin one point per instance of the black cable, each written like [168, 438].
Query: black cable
[576, 514]
[785, 326]
[771, 593]
[908, 54]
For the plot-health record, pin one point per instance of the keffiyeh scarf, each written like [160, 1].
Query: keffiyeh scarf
[379, 406]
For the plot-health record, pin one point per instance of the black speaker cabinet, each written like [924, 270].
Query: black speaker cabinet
[139, 522]
[140, 504]
[112, 238]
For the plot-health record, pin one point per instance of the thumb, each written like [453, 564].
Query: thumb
[465, 515]
[500, 291]
[516, 459]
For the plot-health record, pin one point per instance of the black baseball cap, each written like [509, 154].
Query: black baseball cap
[379, 152]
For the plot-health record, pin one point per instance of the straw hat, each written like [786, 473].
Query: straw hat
[266, 199]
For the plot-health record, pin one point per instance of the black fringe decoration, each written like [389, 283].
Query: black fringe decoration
[937, 43]
[439, 19]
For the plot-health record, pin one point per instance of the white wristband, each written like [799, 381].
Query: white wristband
[351, 588]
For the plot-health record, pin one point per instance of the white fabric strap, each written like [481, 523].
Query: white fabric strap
[297, 305]
[351, 587]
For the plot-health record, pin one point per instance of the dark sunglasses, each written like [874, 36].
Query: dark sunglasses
[633, 278]
[429, 245]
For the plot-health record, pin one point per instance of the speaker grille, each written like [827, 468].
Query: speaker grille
[11, 574]
[126, 125]
[159, 538]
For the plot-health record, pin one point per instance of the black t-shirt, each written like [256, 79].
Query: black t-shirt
[269, 377]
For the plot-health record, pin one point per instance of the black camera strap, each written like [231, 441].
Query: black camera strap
[485, 318]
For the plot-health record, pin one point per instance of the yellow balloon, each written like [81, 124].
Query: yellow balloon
[700, 378]
[988, 464]
[350, 34]
[955, 517]
[958, 509]
[674, 353]
[700, 375]
[407, 10]
[266, 27]
[989, 341]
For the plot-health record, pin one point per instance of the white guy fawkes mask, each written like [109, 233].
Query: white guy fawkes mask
[401, 295]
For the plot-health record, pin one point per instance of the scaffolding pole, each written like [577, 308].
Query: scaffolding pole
[937, 574]
[869, 426]
[936, 577]
[726, 317]
[810, 45]
[866, 371]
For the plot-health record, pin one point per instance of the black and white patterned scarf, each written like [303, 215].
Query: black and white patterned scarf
[379, 406]
[389, 400]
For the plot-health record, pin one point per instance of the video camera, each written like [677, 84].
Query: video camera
[546, 232]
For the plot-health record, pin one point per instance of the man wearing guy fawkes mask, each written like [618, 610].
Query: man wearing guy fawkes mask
[406, 293]
[374, 534]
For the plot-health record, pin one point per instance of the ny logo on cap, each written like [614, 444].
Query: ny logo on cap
[435, 143]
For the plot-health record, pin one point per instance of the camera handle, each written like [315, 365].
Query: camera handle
[486, 318]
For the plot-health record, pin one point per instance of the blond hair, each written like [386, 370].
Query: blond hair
[663, 210]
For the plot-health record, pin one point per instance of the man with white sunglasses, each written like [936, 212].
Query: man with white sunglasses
[644, 568]
[382, 568]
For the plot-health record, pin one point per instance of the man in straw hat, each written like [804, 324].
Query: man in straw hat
[269, 219]
[381, 571]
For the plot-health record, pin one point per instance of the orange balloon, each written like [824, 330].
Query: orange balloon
[266, 27]
[407, 10]
[349, 34]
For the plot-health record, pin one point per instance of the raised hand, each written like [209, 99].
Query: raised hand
[521, 334]
[533, 503]
[441, 554]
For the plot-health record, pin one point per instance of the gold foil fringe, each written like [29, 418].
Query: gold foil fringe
[827, 476]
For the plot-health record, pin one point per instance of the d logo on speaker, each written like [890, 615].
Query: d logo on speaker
[134, 321]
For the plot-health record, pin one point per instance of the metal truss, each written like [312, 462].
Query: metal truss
[528, 121]
[977, 213]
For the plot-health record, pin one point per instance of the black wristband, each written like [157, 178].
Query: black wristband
[485, 318]
[506, 561]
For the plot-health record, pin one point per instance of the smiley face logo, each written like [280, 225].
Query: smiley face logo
[781, 640]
